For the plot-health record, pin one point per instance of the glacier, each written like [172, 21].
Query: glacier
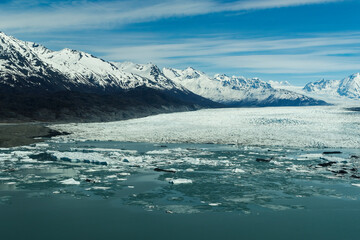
[322, 126]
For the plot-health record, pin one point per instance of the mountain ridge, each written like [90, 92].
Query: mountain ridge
[237, 91]
[28, 70]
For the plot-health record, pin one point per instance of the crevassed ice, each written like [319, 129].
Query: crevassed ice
[330, 126]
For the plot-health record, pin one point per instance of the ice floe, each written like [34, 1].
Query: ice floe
[70, 181]
[180, 181]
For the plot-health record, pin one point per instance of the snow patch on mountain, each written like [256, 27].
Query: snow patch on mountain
[323, 87]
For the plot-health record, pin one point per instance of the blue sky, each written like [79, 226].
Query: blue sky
[294, 40]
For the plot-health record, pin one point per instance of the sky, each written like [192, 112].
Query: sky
[282, 40]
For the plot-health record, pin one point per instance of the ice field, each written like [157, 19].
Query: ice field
[331, 126]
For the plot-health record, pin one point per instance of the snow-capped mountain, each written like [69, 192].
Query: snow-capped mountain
[236, 91]
[347, 87]
[33, 65]
[41, 84]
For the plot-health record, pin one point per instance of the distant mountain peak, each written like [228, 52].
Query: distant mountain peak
[355, 75]
[347, 87]
[236, 90]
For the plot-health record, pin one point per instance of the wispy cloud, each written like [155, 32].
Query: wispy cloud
[264, 4]
[316, 54]
[46, 15]
[289, 63]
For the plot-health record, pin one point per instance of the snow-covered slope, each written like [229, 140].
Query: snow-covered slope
[348, 87]
[323, 86]
[236, 91]
[21, 67]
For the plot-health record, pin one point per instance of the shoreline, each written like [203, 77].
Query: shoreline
[15, 135]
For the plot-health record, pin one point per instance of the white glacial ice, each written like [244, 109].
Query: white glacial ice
[322, 126]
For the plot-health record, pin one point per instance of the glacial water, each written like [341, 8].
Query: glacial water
[190, 178]
[115, 183]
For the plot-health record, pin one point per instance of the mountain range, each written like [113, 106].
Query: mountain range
[68, 85]
[37, 83]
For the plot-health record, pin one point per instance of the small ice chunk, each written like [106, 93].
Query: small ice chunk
[56, 192]
[70, 181]
[166, 151]
[115, 170]
[356, 184]
[112, 176]
[5, 178]
[131, 187]
[124, 174]
[309, 156]
[10, 183]
[189, 170]
[238, 170]
[214, 204]
[101, 188]
[28, 160]
[42, 145]
[180, 181]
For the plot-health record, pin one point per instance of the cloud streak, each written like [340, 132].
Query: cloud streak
[316, 54]
[44, 16]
